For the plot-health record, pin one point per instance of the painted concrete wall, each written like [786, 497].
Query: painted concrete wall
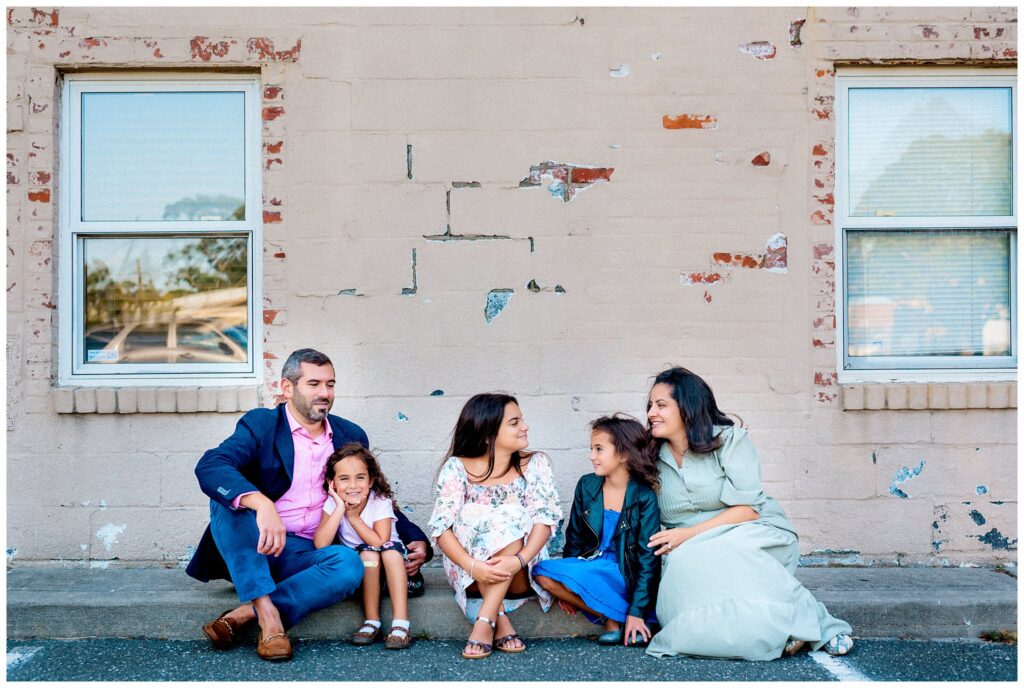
[409, 169]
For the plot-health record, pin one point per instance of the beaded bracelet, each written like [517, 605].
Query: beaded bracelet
[522, 563]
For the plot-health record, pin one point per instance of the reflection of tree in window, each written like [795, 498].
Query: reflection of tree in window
[202, 207]
[209, 264]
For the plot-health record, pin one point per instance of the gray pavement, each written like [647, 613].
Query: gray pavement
[49, 603]
[574, 659]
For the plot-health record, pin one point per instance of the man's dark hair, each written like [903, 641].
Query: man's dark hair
[292, 370]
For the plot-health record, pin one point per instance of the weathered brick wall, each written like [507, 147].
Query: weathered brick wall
[552, 202]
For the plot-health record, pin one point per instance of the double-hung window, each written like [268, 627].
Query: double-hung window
[926, 224]
[160, 229]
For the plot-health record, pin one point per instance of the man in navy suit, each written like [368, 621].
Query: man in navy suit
[265, 484]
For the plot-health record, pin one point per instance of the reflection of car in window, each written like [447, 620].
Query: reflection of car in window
[176, 342]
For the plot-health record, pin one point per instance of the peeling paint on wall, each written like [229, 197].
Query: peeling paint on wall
[564, 180]
[903, 475]
[497, 299]
[409, 291]
[402, 418]
[794, 32]
[977, 517]
[941, 516]
[981, 489]
[437, 393]
[620, 72]
[997, 540]
[761, 50]
[655, 56]
[107, 535]
[689, 122]
[532, 286]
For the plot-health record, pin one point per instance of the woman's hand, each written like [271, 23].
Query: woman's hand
[635, 626]
[487, 573]
[508, 563]
[665, 541]
[566, 607]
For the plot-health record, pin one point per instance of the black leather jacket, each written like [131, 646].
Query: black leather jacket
[640, 520]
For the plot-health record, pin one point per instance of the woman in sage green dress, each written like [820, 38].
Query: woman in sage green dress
[727, 587]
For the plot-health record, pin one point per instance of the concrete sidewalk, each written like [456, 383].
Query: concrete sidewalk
[925, 603]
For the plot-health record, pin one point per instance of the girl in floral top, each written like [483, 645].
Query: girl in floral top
[495, 508]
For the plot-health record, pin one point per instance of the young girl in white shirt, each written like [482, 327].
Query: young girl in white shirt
[361, 513]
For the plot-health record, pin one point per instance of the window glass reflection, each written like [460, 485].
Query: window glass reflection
[163, 156]
[166, 300]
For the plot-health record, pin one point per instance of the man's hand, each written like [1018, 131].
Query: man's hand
[272, 531]
[417, 555]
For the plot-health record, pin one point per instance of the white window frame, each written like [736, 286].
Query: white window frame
[923, 369]
[73, 231]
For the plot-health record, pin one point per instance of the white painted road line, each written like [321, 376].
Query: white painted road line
[20, 655]
[837, 667]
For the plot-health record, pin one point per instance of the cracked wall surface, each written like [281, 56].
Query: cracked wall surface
[596, 194]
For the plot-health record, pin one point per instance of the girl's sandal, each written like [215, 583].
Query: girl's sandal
[486, 647]
[501, 643]
[364, 636]
[398, 642]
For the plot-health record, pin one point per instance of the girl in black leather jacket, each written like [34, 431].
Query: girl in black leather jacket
[607, 571]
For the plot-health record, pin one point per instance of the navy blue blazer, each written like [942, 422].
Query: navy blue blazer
[259, 457]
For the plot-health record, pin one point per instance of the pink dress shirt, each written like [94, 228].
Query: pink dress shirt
[300, 507]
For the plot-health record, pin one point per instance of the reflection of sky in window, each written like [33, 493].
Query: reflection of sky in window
[124, 256]
[144, 151]
[885, 122]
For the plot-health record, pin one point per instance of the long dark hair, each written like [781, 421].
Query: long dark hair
[632, 442]
[477, 428]
[378, 483]
[697, 406]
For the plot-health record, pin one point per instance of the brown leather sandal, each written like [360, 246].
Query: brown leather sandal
[793, 646]
[224, 633]
[486, 647]
[362, 637]
[398, 642]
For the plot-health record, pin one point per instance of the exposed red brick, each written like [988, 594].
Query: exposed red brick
[761, 50]
[707, 296]
[738, 260]
[272, 113]
[48, 303]
[203, 50]
[267, 356]
[819, 183]
[825, 379]
[91, 42]
[822, 250]
[689, 122]
[271, 92]
[929, 32]
[589, 175]
[41, 17]
[826, 398]
[40, 177]
[776, 255]
[819, 150]
[762, 159]
[816, 343]
[822, 113]
[271, 217]
[274, 201]
[63, 54]
[157, 53]
[1010, 53]
[269, 315]
[273, 147]
[826, 322]
[827, 199]
[272, 161]
[822, 73]
[819, 218]
[263, 48]
[280, 254]
[39, 196]
[703, 277]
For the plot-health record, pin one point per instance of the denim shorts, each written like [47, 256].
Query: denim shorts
[389, 545]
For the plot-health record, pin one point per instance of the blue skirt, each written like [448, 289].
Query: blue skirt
[598, 582]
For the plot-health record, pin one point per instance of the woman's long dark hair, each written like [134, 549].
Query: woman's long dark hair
[632, 442]
[697, 406]
[477, 428]
[378, 483]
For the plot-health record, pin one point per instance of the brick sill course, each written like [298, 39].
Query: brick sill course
[937, 396]
[124, 400]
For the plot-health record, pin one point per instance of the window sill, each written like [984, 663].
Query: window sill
[936, 396]
[125, 400]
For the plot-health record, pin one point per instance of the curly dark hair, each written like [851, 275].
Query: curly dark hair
[630, 439]
[378, 483]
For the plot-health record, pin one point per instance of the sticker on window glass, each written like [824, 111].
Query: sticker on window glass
[102, 355]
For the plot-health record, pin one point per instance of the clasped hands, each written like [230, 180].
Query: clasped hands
[496, 569]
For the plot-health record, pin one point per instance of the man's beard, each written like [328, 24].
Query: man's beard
[309, 411]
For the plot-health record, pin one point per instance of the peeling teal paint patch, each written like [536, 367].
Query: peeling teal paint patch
[977, 517]
[402, 418]
[996, 540]
[903, 475]
[981, 489]
[437, 393]
[497, 299]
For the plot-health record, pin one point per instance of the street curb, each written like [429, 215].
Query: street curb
[928, 603]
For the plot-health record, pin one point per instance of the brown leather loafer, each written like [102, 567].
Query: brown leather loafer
[274, 648]
[224, 633]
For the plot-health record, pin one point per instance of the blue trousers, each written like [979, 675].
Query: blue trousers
[300, 580]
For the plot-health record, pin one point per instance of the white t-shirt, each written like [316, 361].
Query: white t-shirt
[376, 508]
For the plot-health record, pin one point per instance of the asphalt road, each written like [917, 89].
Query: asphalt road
[546, 660]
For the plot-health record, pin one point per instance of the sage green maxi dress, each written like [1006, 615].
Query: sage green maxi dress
[730, 591]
